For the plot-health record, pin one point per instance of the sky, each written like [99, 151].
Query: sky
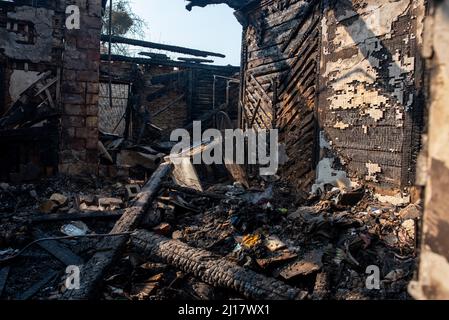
[213, 28]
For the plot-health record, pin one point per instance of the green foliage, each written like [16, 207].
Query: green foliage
[125, 23]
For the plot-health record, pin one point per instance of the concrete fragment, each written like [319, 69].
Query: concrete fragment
[413, 211]
[273, 243]
[110, 203]
[311, 263]
[59, 199]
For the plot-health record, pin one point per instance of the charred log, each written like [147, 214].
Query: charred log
[212, 269]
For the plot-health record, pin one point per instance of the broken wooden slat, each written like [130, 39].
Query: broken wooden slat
[104, 152]
[213, 269]
[78, 216]
[59, 251]
[168, 106]
[282, 258]
[31, 292]
[155, 55]
[259, 86]
[109, 248]
[311, 263]
[195, 60]
[255, 113]
[193, 192]
[50, 99]
[46, 86]
[184, 172]
[171, 63]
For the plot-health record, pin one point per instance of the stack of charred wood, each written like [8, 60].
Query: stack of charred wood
[36, 104]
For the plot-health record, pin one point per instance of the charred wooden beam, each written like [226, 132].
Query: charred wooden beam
[234, 4]
[159, 46]
[193, 192]
[59, 251]
[195, 60]
[169, 63]
[78, 216]
[109, 248]
[153, 55]
[213, 269]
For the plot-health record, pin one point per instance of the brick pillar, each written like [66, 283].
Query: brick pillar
[79, 92]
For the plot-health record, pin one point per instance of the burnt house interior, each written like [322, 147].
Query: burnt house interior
[354, 88]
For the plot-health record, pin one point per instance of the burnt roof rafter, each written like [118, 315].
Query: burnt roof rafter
[234, 4]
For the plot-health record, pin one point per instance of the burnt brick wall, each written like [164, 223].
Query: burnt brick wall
[80, 91]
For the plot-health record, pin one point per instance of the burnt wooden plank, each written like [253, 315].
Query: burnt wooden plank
[58, 250]
[35, 288]
[77, 216]
[109, 248]
[159, 46]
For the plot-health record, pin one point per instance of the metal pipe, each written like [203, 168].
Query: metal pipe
[213, 92]
[213, 100]
[227, 92]
[110, 53]
[228, 78]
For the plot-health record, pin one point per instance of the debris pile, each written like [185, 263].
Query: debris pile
[53, 208]
[322, 247]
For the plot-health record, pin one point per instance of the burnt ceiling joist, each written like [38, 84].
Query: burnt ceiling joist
[169, 63]
[159, 46]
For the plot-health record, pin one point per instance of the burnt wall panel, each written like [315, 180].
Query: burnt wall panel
[368, 101]
[172, 98]
[176, 116]
[166, 100]
[433, 170]
[351, 68]
[282, 41]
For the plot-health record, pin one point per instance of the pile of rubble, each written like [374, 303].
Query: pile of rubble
[224, 242]
[56, 207]
[323, 248]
